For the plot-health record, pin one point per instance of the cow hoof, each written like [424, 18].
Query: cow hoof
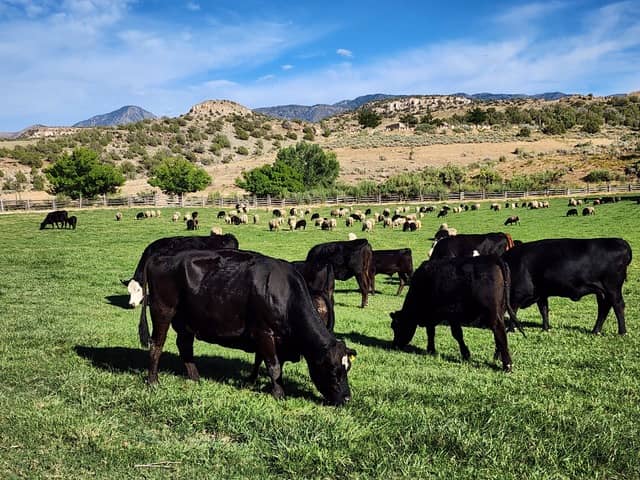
[507, 368]
[278, 393]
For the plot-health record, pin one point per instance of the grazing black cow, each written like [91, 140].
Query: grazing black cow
[57, 218]
[459, 290]
[140, 216]
[235, 220]
[348, 258]
[470, 245]
[247, 301]
[572, 212]
[512, 220]
[171, 246]
[71, 222]
[301, 224]
[321, 283]
[397, 261]
[191, 224]
[570, 268]
[222, 214]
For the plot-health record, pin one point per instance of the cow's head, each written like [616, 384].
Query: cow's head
[403, 329]
[136, 294]
[329, 373]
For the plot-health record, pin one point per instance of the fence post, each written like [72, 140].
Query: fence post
[1, 205]
[53, 203]
[80, 202]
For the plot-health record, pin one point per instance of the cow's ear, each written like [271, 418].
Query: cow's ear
[393, 315]
[352, 353]
[125, 282]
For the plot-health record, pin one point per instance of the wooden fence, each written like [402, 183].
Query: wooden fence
[161, 200]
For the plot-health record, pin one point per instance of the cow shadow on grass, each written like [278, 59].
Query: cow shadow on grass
[384, 344]
[218, 369]
[121, 301]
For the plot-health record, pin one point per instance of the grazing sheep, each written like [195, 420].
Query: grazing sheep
[349, 222]
[588, 211]
[175, 217]
[386, 212]
[301, 225]
[443, 213]
[291, 222]
[572, 202]
[216, 230]
[512, 220]
[256, 218]
[274, 225]
[475, 206]
[572, 212]
[244, 218]
[140, 216]
[367, 226]
[221, 214]
[387, 222]
[495, 207]
[158, 213]
[118, 216]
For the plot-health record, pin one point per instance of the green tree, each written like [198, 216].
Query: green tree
[177, 176]
[368, 118]
[318, 168]
[476, 116]
[277, 180]
[82, 174]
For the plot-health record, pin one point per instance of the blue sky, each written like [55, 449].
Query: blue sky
[62, 61]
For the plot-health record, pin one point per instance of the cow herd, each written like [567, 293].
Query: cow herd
[209, 289]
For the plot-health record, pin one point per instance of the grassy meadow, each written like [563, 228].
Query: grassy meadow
[74, 404]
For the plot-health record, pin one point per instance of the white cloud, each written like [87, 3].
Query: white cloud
[286, 67]
[193, 6]
[264, 78]
[343, 52]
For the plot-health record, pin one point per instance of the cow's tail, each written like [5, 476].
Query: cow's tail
[506, 275]
[143, 325]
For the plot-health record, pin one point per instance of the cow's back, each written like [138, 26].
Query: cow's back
[566, 267]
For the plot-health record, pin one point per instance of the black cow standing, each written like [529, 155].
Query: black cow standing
[397, 261]
[570, 268]
[247, 301]
[172, 246]
[459, 290]
[57, 218]
[348, 258]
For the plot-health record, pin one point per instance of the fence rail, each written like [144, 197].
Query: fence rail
[161, 200]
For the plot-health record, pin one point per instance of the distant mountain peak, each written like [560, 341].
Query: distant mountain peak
[122, 116]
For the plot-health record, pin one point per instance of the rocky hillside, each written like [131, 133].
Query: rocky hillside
[122, 116]
[511, 137]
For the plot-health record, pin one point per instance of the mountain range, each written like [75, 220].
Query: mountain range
[310, 113]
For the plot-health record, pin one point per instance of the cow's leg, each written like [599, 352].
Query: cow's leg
[256, 369]
[185, 347]
[402, 282]
[373, 282]
[543, 306]
[266, 348]
[502, 348]
[158, 337]
[456, 331]
[363, 284]
[431, 339]
[618, 308]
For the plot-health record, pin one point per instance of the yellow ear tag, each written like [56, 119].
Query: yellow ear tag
[352, 358]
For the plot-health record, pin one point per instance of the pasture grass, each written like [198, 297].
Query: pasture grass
[73, 402]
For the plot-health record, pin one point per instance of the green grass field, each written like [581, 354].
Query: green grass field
[73, 402]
